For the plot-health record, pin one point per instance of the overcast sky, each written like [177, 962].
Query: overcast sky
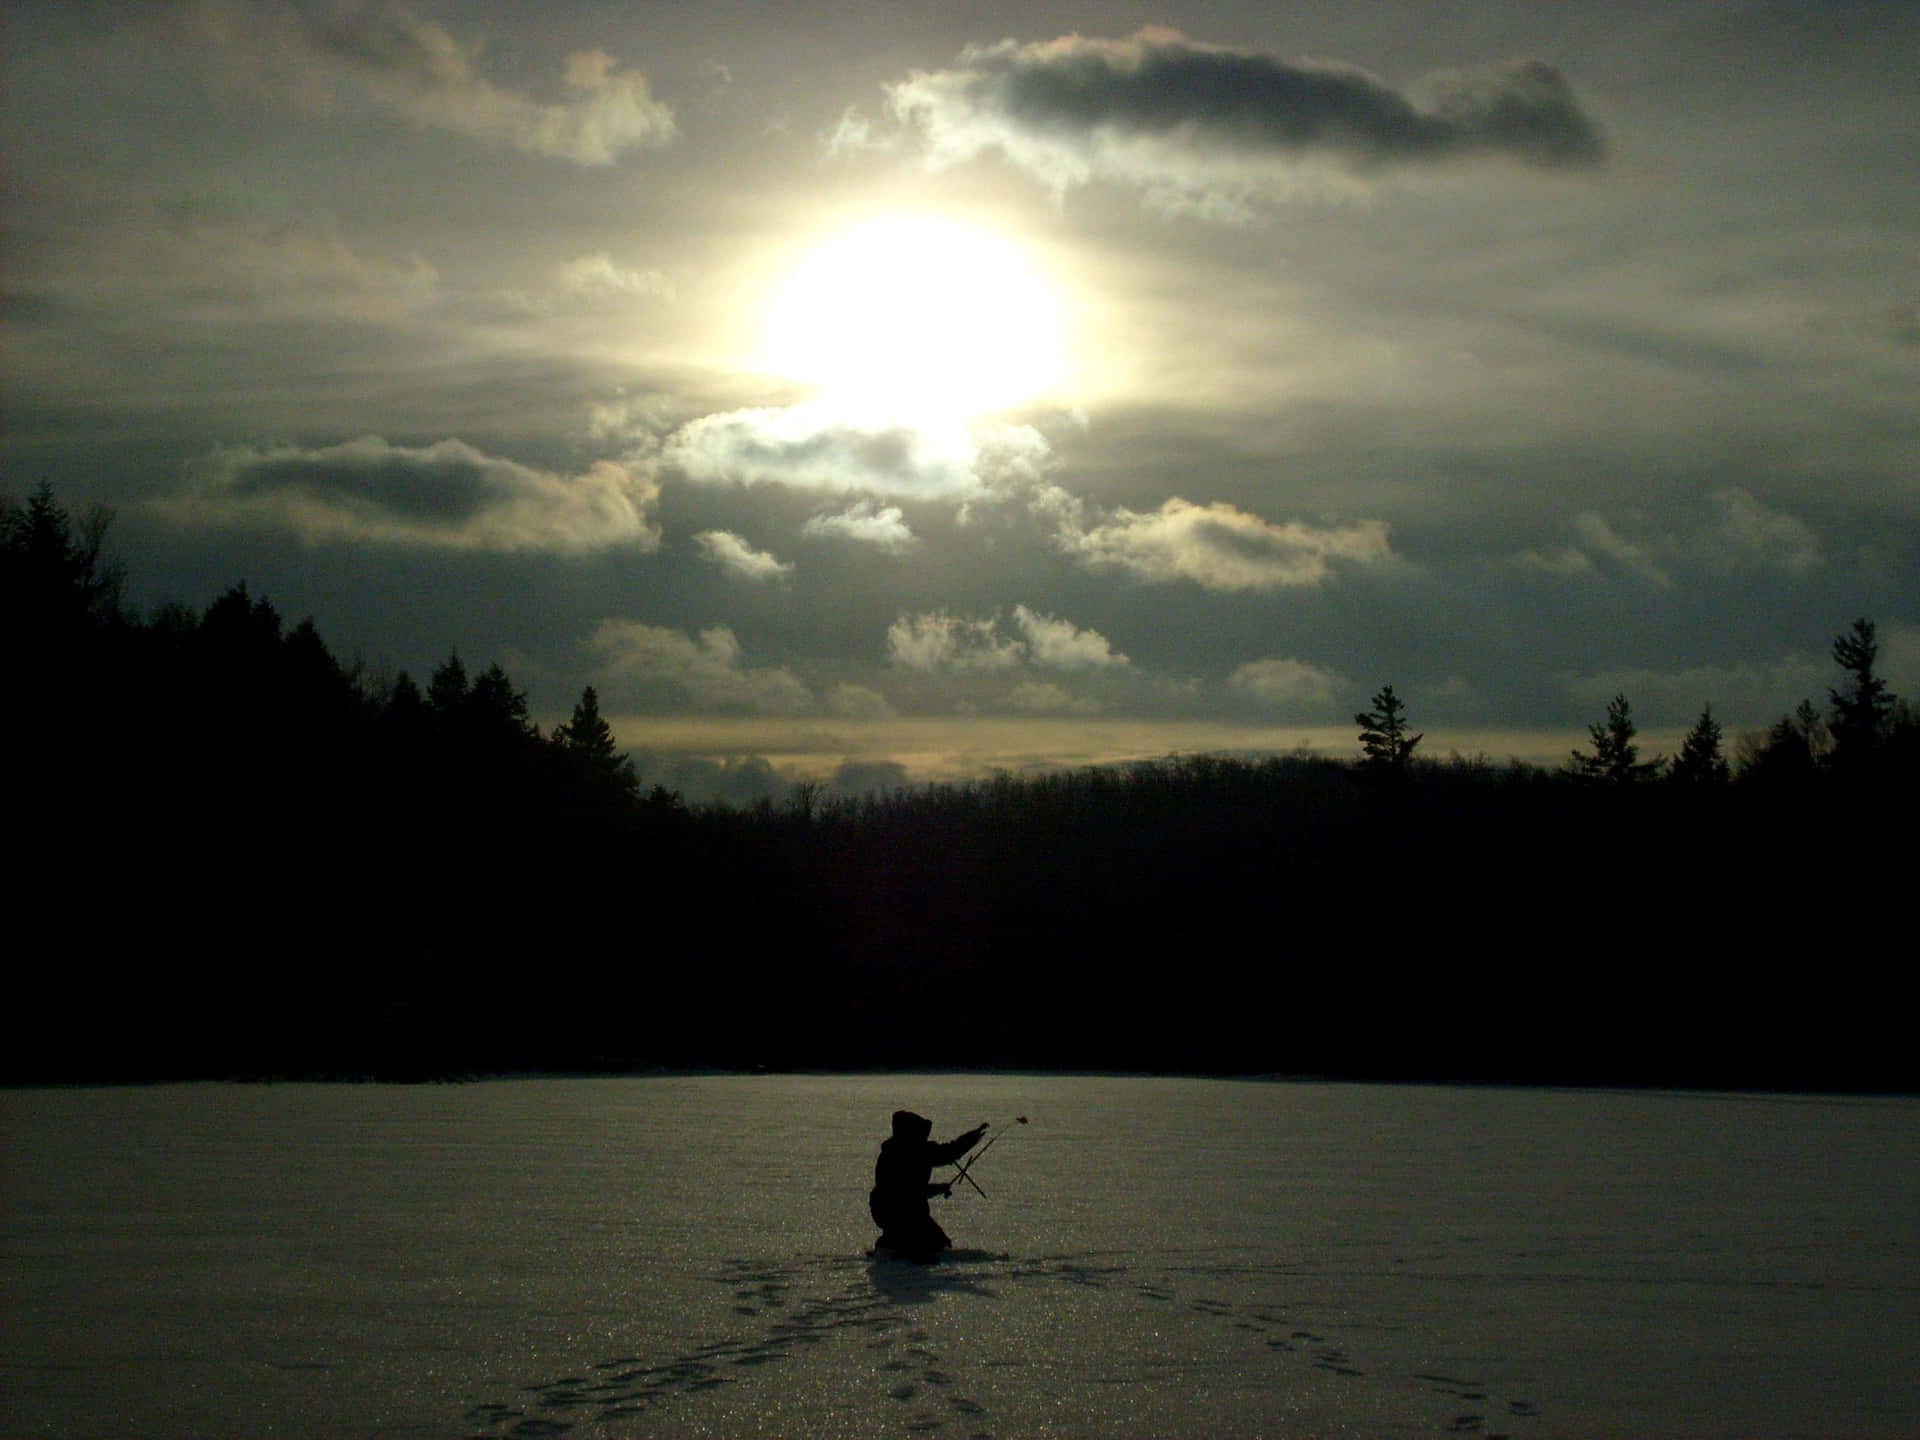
[955, 386]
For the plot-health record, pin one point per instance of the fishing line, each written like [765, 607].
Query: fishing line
[962, 1172]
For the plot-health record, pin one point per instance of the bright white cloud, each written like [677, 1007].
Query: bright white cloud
[447, 495]
[419, 70]
[883, 527]
[1291, 685]
[938, 640]
[737, 557]
[1062, 645]
[1220, 547]
[648, 663]
[806, 447]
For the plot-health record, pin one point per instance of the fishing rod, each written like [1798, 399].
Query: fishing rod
[962, 1174]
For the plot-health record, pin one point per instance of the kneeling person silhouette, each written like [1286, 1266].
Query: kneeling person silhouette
[903, 1183]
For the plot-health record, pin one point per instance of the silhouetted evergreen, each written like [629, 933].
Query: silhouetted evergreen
[591, 763]
[1701, 761]
[56, 575]
[1862, 705]
[243, 858]
[447, 688]
[1616, 758]
[1790, 754]
[1383, 735]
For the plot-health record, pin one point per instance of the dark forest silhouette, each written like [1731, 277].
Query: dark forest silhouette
[243, 858]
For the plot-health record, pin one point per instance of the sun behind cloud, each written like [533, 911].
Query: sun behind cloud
[910, 318]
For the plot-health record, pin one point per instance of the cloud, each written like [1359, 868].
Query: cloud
[447, 495]
[1219, 547]
[589, 284]
[1739, 534]
[738, 558]
[392, 59]
[867, 524]
[806, 447]
[1063, 645]
[1900, 658]
[1600, 538]
[210, 262]
[869, 777]
[1043, 697]
[1287, 684]
[736, 780]
[594, 277]
[637, 421]
[640, 663]
[1751, 533]
[858, 702]
[1195, 125]
[938, 640]
[853, 134]
[1748, 693]
[1556, 560]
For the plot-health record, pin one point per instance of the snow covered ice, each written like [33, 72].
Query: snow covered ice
[685, 1256]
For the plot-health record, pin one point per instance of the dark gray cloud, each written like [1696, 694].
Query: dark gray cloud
[445, 495]
[1740, 535]
[1160, 110]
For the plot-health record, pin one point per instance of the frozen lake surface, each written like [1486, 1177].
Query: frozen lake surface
[684, 1256]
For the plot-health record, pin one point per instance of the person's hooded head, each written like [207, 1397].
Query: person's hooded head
[909, 1126]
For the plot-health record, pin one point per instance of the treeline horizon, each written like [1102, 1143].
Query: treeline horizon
[246, 860]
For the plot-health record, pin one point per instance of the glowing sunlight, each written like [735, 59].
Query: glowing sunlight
[911, 317]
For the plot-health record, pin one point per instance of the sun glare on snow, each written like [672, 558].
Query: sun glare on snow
[912, 317]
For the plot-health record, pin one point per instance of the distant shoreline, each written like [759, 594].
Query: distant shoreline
[1624, 1087]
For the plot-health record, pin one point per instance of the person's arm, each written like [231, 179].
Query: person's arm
[951, 1151]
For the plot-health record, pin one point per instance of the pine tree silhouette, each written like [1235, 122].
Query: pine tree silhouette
[1615, 759]
[1862, 706]
[1383, 734]
[1700, 761]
